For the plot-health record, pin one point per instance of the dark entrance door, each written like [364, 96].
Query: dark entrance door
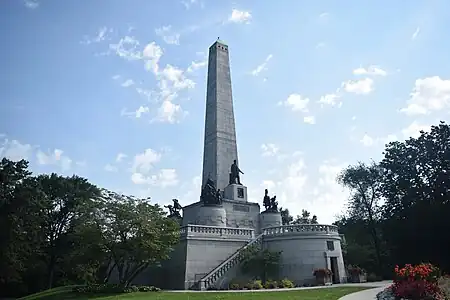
[334, 269]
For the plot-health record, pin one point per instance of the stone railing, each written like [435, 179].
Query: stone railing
[218, 272]
[300, 229]
[212, 231]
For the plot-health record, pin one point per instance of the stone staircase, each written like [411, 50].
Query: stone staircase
[210, 279]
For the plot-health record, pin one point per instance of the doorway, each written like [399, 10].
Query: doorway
[334, 269]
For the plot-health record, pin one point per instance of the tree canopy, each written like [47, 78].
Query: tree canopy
[60, 230]
[399, 207]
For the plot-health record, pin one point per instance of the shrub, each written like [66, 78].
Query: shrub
[355, 270]
[271, 284]
[286, 283]
[112, 289]
[322, 272]
[254, 285]
[416, 282]
[235, 286]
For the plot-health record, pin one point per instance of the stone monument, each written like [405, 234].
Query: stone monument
[216, 228]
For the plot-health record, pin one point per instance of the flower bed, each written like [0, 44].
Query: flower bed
[417, 282]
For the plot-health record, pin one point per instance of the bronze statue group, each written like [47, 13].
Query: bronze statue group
[210, 196]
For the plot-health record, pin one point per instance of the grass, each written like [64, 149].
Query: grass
[333, 293]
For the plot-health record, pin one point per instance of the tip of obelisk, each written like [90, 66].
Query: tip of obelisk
[219, 41]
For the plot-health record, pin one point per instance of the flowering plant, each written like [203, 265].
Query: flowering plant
[416, 282]
[322, 272]
[355, 270]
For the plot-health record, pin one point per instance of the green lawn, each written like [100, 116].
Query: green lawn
[310, 294]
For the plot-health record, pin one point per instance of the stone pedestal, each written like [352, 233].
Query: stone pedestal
[270, 218]
[235, 192]
[211, 216]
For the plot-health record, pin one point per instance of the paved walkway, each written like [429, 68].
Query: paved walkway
[369, 294]
[363, 295]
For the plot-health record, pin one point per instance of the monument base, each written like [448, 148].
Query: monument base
[235, 192]
[270, 218]
[211, 215]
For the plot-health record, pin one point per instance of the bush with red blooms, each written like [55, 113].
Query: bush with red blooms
[417, 282]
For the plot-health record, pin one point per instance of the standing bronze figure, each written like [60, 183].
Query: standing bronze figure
[234, 175]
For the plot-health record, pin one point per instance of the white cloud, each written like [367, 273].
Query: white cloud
[239, 16]
[54, 158]
[197, 65]
[269, 149]
[189, 3]
[141, 110]
[324, 15]
[165, 178]
[167, 35]
[110, 168]
[152, 54]
[361, 86]
[331, 99]
[169, 112]
[120, 157]
[428, 95]
[144, 162]
[415, 34]
[371, 70]
[309, 120]
[101, 35]
[128, 82]
[297, 103]
[262, 67]
[413, 130]
[32, 4]
[14, 150]
[369, 141]
[127, 48]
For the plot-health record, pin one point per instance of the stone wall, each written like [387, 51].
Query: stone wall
[304, 248]
[238, 214]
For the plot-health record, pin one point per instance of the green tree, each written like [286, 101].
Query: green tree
[66, 204]
[416, 185]
[364, 183]
[17, 234]
[286, 218]
[305, 218]
[136, 233]
[261, 264]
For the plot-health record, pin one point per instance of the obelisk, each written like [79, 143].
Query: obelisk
[220, 149]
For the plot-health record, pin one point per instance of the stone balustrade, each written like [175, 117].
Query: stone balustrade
[213, 231]
[300, 229]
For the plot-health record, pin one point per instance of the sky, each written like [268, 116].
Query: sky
[114, 90]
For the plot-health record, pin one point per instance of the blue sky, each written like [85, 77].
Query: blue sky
[115, 90]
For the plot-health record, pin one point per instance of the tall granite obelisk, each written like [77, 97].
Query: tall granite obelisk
[220, 147]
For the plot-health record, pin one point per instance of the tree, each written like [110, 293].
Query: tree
[416, 185]
[364, 183]
[67, 202]
[16, 223]
[305, 218]
[136, 233]
[260, 264]
[286, 218]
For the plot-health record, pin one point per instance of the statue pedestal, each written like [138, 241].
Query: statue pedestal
[235, 192]
[270, 218]
[211, 215]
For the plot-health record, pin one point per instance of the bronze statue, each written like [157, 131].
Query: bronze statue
[209, 194]
[274, 204]
[234, 175]
[266, 200]
[174, 210]
[171, 210]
